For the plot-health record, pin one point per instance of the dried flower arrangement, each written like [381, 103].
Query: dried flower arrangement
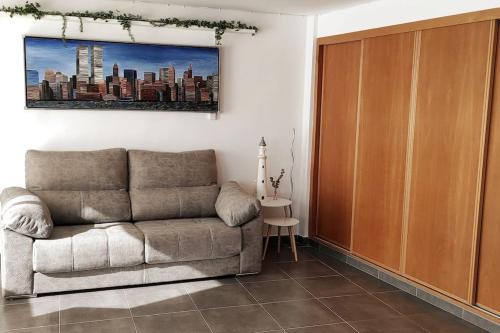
[275, 183]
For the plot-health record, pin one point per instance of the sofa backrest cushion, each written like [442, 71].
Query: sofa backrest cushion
[172, 185]
[84, 187]
[77, 170]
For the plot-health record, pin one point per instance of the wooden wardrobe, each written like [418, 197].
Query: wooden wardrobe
[406, 165]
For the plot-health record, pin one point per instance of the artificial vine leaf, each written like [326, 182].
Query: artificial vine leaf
[126, 20]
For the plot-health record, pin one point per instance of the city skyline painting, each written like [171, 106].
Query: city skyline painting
[82, 74]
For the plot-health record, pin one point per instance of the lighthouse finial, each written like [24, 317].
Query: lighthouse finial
[262, 142]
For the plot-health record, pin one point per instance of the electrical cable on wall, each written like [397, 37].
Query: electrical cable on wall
[292, 154]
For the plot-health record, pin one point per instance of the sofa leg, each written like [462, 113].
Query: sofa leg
[21, 297]
[246, 274]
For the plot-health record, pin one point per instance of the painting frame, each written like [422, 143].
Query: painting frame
[197, 94]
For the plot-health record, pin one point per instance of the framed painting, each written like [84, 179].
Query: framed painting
[82, 74]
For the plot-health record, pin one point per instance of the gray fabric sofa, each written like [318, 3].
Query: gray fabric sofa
[128, 218]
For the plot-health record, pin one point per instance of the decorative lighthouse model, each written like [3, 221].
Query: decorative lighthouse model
[262, 171]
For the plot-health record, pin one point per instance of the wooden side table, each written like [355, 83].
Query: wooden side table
[287, 221]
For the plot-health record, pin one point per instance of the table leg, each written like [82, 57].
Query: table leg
[267, 241]
[279, 239]
[291, 233]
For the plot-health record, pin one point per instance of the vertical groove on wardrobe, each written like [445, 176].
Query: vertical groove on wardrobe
[356, 145]
[409, 149]
[482, 162]
[317, 134]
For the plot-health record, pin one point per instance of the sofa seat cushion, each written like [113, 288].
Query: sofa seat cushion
[88, 247]
[189, 239]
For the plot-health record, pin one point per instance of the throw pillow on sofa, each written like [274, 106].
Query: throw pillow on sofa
[25, 213]
[236, 207]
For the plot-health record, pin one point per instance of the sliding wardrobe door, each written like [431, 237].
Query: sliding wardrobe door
[448, 148]
[488, 277]
[337, 142]
[382, 140]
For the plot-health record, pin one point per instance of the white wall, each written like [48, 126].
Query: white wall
[263, 79]
[381, 13]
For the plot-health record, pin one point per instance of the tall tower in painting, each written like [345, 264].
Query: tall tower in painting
[115, 70]
[82, 64]
[262, 171]
[96, 62]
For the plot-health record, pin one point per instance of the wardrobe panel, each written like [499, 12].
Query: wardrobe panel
[450, 122]
[488, 277]
[339, 102]
[382, 140]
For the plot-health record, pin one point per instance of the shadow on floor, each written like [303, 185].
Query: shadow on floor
[311, 296]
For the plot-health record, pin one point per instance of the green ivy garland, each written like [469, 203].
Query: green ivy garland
[126, 20]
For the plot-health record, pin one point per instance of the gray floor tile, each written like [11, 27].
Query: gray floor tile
[387, 325]
[439, 302]
[333, 328]
[220, 296]
[241, 319]
[125, 325]
[28, 315]
[362, 265]
[359, 307]
[404, 302]
[286, 254]
[474, 319]
[439, 321]
[208, 283]
[158, 299]
[106, 293]
[43, 329]
[402, 285]
[180, 322]
[330, 286]
[370, 283]
[306, 269]
[301, 313]
[275, 291]
[338, 266]
[269, 272]
[100, 305]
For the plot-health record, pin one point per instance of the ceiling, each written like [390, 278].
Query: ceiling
[291, 7]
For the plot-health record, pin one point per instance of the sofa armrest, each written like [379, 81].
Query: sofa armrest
[235, 206]
[25, 213]
[17, 263]
[251, 252]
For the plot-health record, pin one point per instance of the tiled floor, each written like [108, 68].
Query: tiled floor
[310, 296]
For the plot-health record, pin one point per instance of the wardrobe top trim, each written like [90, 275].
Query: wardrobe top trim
[483, 15]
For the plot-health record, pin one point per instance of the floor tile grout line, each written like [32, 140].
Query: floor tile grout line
[93, 321]
[340, 317]
[129, 309]
[289, 278]
[28, 328]
[246, 282]
[59, 313]
[164, 313]
[337, 314]
[197, 308]
[263, 308]
[347, 277]
[231, 306]
[373, 293]
[417, 324]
